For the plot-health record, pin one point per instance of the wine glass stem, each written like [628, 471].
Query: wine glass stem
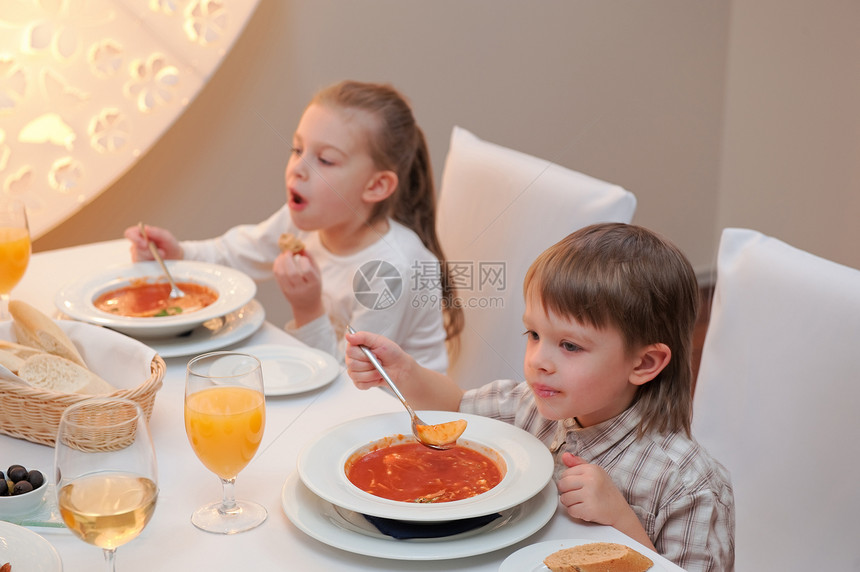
[228, 500]
[110, 559]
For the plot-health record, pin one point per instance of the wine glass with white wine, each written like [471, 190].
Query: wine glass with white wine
[106, 473]
[225, 415]
[14, 249]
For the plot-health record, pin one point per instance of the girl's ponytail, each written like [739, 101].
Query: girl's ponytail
[415, 207]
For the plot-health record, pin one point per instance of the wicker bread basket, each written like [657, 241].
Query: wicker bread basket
[34, 414]
[136, 371]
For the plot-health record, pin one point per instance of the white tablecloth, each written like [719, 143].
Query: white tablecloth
[170, 541]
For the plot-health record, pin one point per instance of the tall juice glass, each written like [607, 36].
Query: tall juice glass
[14, 249]
[225, 415]
[106, 474]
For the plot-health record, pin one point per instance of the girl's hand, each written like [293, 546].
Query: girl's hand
[589, 494]
[167, 245]
[390, 355]
[301, 283]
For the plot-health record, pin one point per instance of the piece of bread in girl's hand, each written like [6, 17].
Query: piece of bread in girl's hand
[55, 373]
[598, 557]
[35, 329]
[289, 242]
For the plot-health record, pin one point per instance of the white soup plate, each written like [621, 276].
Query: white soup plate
[235, 289]
[528, 462]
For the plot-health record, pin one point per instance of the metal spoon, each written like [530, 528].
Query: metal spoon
[175, 291]
[442, 436]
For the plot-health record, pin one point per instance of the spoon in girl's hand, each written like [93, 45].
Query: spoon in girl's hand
[441, 436]
[175, 291]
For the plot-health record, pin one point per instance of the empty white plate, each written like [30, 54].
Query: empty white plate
[293, 369]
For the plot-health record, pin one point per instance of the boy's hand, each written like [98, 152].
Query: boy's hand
[167, 245]
[589, 494]
[300, 281]
[390, 355]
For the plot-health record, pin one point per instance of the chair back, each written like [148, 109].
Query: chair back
[777, 401]
[498, 210]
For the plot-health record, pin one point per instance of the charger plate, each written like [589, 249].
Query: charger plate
[342, 529]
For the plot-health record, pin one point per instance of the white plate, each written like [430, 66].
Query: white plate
[26, 550]
[214, 334]
[235, 289]
[529, 466]
[339, 528]
[530, 558]
[293, 369]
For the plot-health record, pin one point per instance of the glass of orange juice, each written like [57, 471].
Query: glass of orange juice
[14, 249]
[225, 414]
[106, 472]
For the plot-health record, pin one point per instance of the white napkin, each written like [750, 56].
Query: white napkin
[120, 360]
[8, 375]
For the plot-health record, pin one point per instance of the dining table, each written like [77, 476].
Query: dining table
[170, 541]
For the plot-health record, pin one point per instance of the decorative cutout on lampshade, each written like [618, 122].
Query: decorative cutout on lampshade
[88, 86]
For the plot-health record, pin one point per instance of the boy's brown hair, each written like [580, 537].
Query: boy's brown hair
[628, 277]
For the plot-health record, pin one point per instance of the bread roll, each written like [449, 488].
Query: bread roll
[10, 361]
[35, 329]
[598, 557]
[289, 242]
[56, 373]
[19, 350]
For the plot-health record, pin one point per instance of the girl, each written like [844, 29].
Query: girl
[360, 197]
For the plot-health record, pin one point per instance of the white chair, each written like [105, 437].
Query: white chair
[498, 209]
[777, 402]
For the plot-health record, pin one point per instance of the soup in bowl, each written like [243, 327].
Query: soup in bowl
[402, 469]
[150, 298]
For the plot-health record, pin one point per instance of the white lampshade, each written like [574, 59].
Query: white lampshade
[88, 86]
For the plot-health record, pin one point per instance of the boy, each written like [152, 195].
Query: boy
[609, 319]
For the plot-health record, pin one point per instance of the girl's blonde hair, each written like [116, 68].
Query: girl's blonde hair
[627, 277]
[398, 144]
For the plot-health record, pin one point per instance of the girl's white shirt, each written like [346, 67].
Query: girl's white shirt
[403, 302]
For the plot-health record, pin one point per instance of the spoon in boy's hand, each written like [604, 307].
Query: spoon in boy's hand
[441, 436]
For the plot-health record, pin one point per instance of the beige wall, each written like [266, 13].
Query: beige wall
[791, 149]
[630, 92]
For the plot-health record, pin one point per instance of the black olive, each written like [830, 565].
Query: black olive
[4, 488]
[36, 478]
[22, 487]
[17, 473]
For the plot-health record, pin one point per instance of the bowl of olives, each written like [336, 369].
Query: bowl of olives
[21, 491]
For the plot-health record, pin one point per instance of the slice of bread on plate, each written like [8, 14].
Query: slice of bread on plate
[598, 557]
[35, 329]
[55, 373]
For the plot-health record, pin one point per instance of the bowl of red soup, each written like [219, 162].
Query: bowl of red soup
[135, 298]
[400, 468]
[374, 466]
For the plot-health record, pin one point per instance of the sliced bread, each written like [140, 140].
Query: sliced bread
[10, 361]
[19, 350]
[35, 329]
[598, 557]
[55, 373]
